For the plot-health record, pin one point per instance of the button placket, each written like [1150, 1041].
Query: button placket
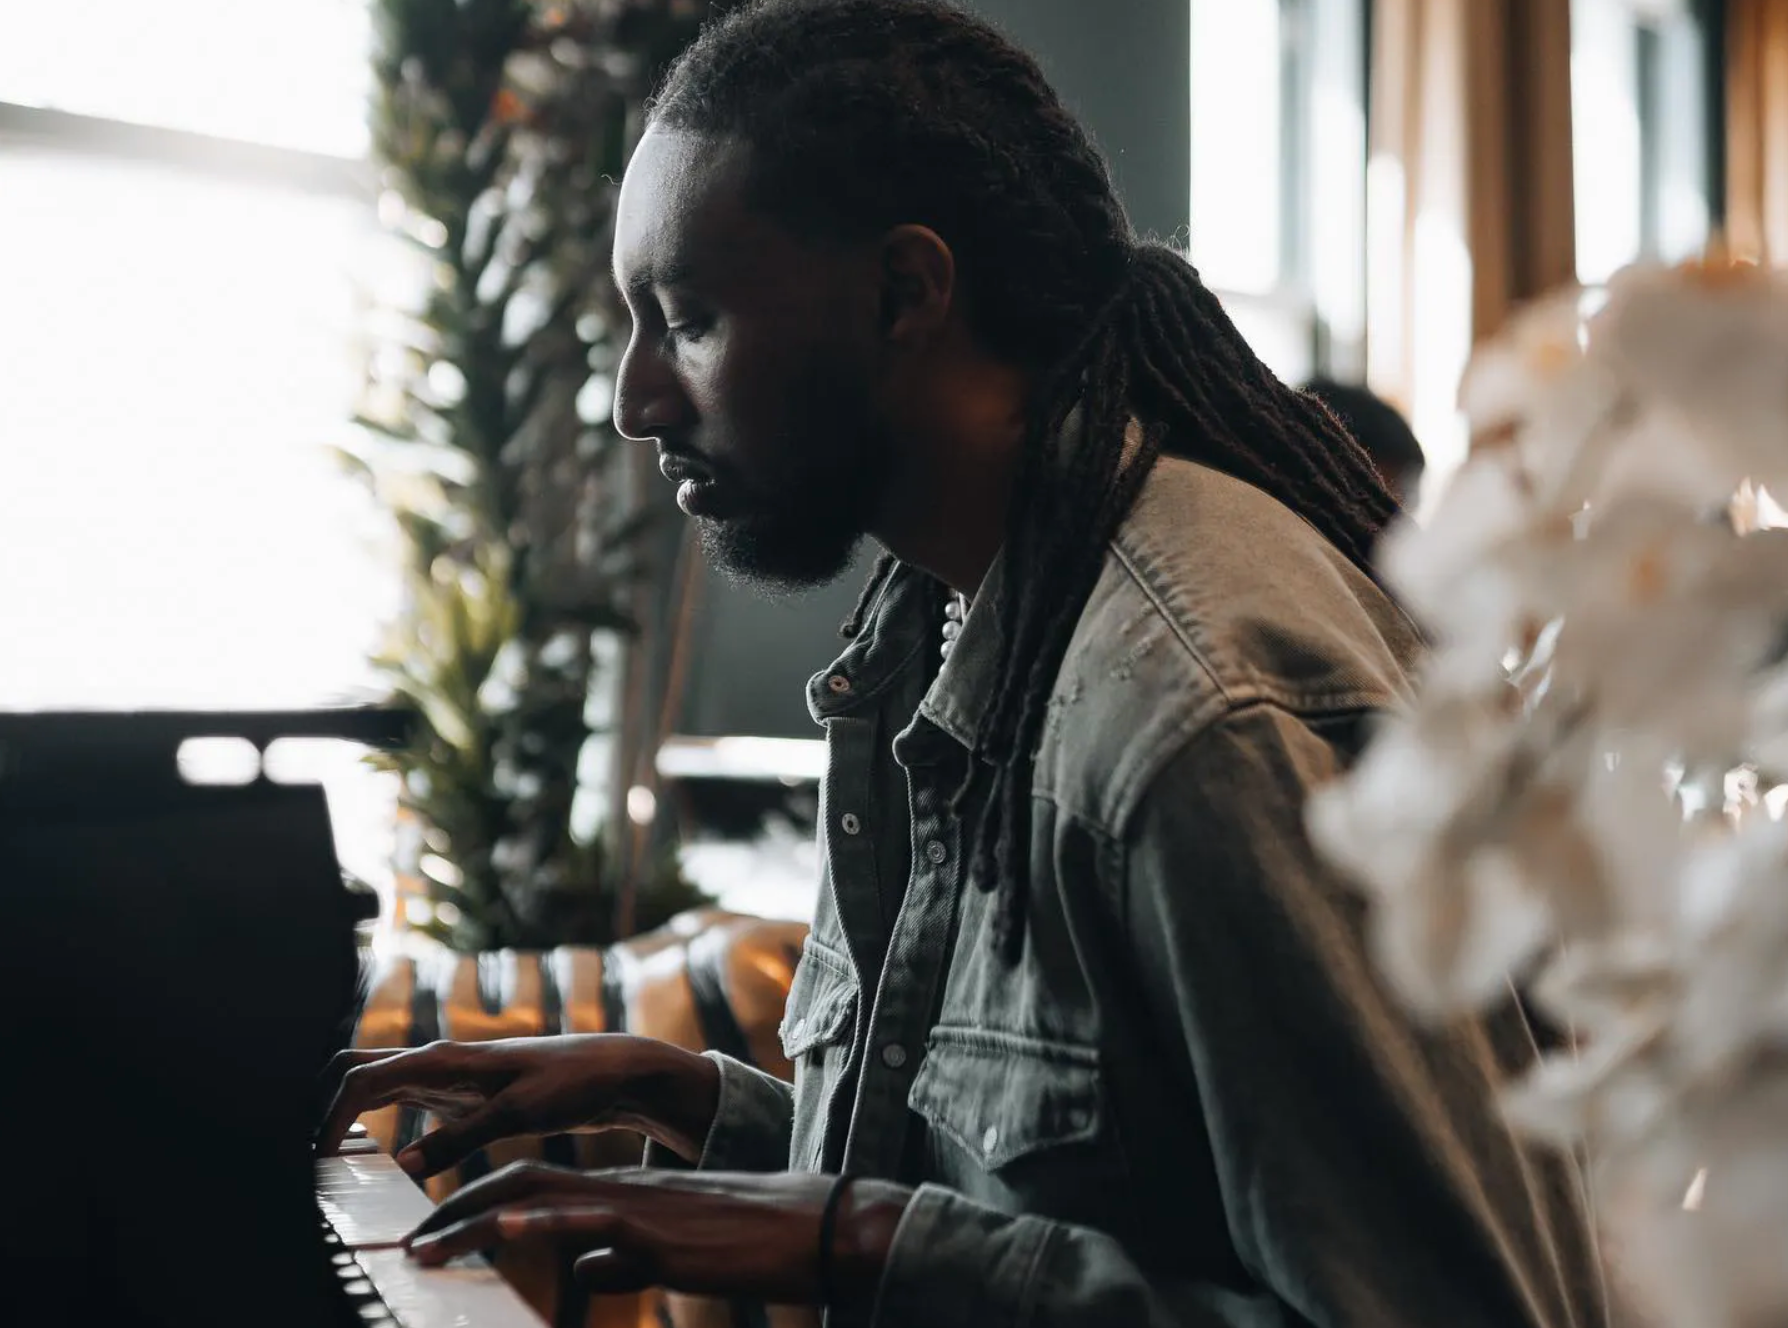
[845, 794]
[900, 1019]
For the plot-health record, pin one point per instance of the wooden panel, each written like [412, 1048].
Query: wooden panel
[1757, 129]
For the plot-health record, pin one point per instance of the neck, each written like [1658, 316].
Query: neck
[947, 512]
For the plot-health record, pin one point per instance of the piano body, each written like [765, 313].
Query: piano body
[181, 965]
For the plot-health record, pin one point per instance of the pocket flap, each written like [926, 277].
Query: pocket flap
[821, 1000]
[1000, 1096]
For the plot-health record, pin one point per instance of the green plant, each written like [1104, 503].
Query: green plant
[500, 128]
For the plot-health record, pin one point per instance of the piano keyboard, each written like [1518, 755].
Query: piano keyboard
[369, 1205]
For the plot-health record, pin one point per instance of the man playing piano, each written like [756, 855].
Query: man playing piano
[1084, 1033]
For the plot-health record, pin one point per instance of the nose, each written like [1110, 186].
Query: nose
[649, 401]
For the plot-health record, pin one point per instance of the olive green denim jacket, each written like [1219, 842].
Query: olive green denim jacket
[1190, 1102]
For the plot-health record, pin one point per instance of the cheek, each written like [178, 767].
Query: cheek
[733, 384]
[777, 402]
[843, 401]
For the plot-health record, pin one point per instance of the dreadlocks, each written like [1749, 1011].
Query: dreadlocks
[862, 115]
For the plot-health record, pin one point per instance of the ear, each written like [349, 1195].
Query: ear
[918, 274]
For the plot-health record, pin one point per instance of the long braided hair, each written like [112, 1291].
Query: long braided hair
[861, 115]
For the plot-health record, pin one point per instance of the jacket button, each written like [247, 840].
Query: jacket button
[893, 1055]
[839, 684]
[936, 851]
[850, 824]
[990, 1140]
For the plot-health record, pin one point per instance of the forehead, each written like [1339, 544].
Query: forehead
[684, 208]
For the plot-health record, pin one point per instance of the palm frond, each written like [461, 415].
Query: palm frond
[489, 124]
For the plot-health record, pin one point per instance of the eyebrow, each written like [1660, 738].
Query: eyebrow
[674, 272]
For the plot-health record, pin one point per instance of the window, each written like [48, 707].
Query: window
[179, 347]
[1639, 132]
[1278, 175]
[293, 76]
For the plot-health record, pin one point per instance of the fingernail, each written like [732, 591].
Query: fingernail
[411, 1161]
[514, 1224]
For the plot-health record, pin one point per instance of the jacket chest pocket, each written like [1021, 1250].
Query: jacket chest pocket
[818, 1027]
[1017, 1121]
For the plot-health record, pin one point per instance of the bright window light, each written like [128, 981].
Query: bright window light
[178, 351]
[294, 75]
[1605, 138]
[1639, 133]
[1236, 143]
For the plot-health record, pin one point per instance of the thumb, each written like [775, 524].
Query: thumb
[452, 1142]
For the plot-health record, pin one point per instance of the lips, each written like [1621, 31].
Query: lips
[679, 467]
[698, 491]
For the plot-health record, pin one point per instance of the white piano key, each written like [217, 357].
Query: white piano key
[369, 1200]
[371, 1204]
[467, 1293]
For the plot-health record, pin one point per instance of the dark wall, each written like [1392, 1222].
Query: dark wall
[1123, 66]
[751, 657]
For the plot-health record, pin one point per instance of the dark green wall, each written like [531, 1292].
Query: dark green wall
[1123, 66]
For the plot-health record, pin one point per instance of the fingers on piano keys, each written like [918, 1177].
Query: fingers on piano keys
[356, 1287]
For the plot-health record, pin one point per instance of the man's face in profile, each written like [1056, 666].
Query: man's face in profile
[751, 365]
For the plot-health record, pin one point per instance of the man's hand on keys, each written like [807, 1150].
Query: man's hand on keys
[484, 1091]
[705, 1233]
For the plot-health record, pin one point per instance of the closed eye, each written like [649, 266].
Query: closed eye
[689, 331]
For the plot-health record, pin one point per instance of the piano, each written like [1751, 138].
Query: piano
[368, 1206]
[180, 963]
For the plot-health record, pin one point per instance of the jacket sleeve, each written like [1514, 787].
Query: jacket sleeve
[1365, 1174]
[752, 1124]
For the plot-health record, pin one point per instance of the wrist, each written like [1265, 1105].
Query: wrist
[863, 1238]
[671, 1096]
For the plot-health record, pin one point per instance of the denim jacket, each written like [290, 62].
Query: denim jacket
[1190, 1102]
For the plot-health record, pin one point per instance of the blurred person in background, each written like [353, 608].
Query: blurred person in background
[1380, 428]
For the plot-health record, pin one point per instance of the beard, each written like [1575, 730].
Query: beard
[781, 553]
[803, 531]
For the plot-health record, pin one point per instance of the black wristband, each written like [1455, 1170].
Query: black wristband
[828, 1226]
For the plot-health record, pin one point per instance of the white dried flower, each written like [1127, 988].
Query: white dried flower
[1569, 790]
[1710, 347]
